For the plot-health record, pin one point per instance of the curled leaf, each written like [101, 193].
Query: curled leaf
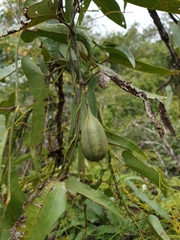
[153, 118]
[165, 119]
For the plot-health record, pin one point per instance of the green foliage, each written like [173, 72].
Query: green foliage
[166, 6]
[49, 75]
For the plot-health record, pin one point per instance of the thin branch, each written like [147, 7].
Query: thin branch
[169, 82]
[165, 37]
[173, 18]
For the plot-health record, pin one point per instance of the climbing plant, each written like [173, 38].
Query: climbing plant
[64, 173]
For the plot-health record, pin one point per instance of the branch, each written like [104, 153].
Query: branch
[173, 18]
[165, 37]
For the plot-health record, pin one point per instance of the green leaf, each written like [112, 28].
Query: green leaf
[121, 49]
[152, 203]
[94, 195]
[52, 48]
[74, 111]
[157, 227]
[140, 66]
[17, 197]
[14, 208]
[8, 105]
[41, 12]
[175, 28]
[6, 222]
[170, 6]
[119, 141]
[3, 139]
[58, 32]
[112, 10]
[5, 72]
[155, 177]
[40, 93]
[169, 94]
[68, 12]
[149, 95]
[42, 211]
[91, 95]
[84, 8]
[22, 158]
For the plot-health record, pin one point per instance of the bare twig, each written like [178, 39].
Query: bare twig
[165, 37]
[173, 18]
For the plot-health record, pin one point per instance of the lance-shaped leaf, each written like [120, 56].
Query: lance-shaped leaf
[170, 6]
[111, 10]
[14, 208]
[119, 141]
[94, 195]
[3, 139]
[157, 227]
[40, 93]
[8, 106]
[175, 28]
[121, 49]
[5, 72]
[41, 212]
[155, 177]
[140, 66]
[59, 33]
[152, 203]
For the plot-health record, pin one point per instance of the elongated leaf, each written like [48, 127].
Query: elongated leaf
[152, 203]
[74, 111]
[119, 49]
[150, 95]
[155, 177]
[84, 8]
[22, 158]
[112, 10]
[140, 66]
[5, 72]
[41, 212]
[69, 9]
[91, 96]
[119, 141]
[40, 93]
[8, 106]
[169, 93]
[17, 196]
[14, 208]
[94, 195]
[6, 222]
[175, 28]
[156, 225]
[41, 12]
[170, 6]
[3, 139]
[59, 33]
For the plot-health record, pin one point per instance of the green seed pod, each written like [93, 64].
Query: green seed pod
[93, 139]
